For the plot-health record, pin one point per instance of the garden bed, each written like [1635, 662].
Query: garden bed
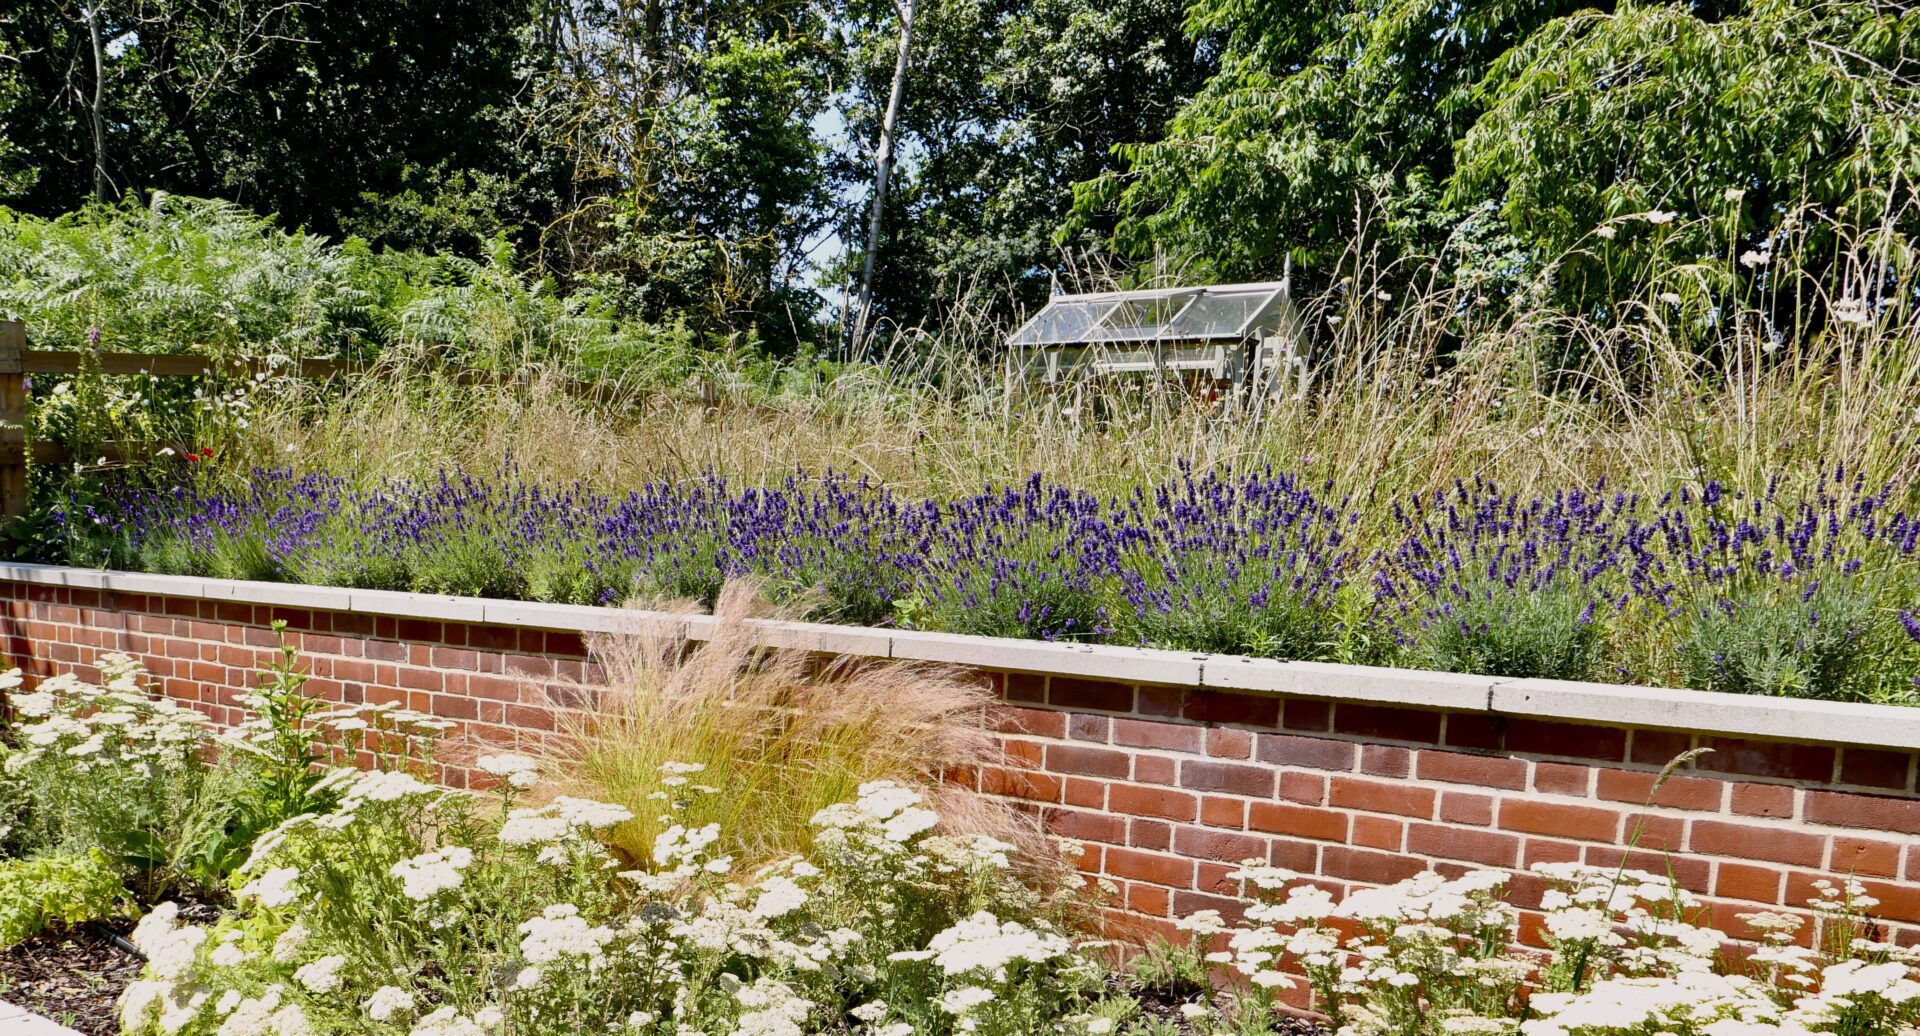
[74, 978]
[1809, 597]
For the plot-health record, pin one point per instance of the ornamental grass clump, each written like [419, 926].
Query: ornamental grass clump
[769, 737]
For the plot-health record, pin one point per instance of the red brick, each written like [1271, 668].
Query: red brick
[1762, 800]
[558, 642]
[1296, 856]
[1874, 768]
[1020, 784]
[1070, 693]
[1592, 823]
[1653, 831]
[1134, 800]
[1377, 832]
[1151, 900]
[1385, 760]
[1636, 786]
[1168, 737]
[1757, 842]
[1244, 710]
[1307, 714]
[1579, 741]
[1088, 794]
[1562, 779]
[1205, 843]
[1235, 778]
[1485, 771]
[1467, 730]
[1865, 857]
[1152, 835]
[1140, 866]
[1374, 868]
[1689, 872]
[1086, 826]
[1220, 811]
[1010, 719]
[1298, 821]
[1313, 752]
[1452, 843]
[1093, 762]
[1303, 787]
[1747, 881]
[1082, 727]
[1166, 702]
[1380, 797]
[1766, 759]
[453, 658]
[1544, 850]
[1458, 807]
[1156, 769]
[1383, 721]
[1229, 744]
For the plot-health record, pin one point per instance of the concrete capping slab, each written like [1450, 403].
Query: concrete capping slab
[1709, 713]
[1419, 688]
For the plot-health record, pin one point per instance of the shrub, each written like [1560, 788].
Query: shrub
[56, 889]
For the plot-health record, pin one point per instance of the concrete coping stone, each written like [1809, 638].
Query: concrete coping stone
[1710, 713]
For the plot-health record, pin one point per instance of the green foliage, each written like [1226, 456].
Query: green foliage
[1525, 136]
[1547, 632]
[1819, 638]
[60, 889]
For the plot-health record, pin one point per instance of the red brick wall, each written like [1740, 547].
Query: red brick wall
[1167, 787]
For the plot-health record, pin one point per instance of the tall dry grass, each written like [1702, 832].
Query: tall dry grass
[1417, 382]
[776, 736]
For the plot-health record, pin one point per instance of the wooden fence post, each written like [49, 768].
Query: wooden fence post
[13, 419]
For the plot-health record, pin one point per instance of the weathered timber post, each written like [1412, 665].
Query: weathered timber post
[13, 419]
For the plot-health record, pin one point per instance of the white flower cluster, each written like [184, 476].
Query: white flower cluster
[427, 875]
[1437, 955]
[82, 727]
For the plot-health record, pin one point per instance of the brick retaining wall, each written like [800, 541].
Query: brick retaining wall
[1167, 783]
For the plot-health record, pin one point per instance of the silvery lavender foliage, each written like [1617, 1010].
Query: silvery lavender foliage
[1486, 582]
[1760, 594]
[1789, 598]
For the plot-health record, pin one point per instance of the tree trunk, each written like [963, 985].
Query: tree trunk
[883, 170]
[99, 125]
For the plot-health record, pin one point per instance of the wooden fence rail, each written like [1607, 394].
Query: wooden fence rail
[17, 362]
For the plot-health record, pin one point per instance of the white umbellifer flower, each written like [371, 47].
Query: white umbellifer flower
[388, 1003]
[429, 874]
[959, 1002]
[517, 770]
[384, 786]
[590, 814]
[276, 888]
[321, 976]
[1659, 217]
[902, 826]
[254, 1016]
[779, 897]
[447, 1022]
[286, 949]
[871, 1011]
[31, 706]
[561, 932]
[983, 943]
[1753, 258]
[533, 827]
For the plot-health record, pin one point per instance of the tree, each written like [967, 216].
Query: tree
[1013, 103]
[282, 105]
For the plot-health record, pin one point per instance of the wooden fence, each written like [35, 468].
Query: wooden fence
[17, 363]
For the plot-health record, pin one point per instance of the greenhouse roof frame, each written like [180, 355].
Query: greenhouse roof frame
[1188, 314]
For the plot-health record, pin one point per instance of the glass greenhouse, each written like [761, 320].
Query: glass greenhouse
[1218, 336]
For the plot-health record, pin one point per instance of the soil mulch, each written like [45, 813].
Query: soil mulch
[74, 978]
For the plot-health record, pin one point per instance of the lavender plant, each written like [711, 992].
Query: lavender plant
[1710, 587]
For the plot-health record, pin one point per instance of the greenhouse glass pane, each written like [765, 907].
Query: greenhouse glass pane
[1217, 315]
[1061, 322]
[1141, 318]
